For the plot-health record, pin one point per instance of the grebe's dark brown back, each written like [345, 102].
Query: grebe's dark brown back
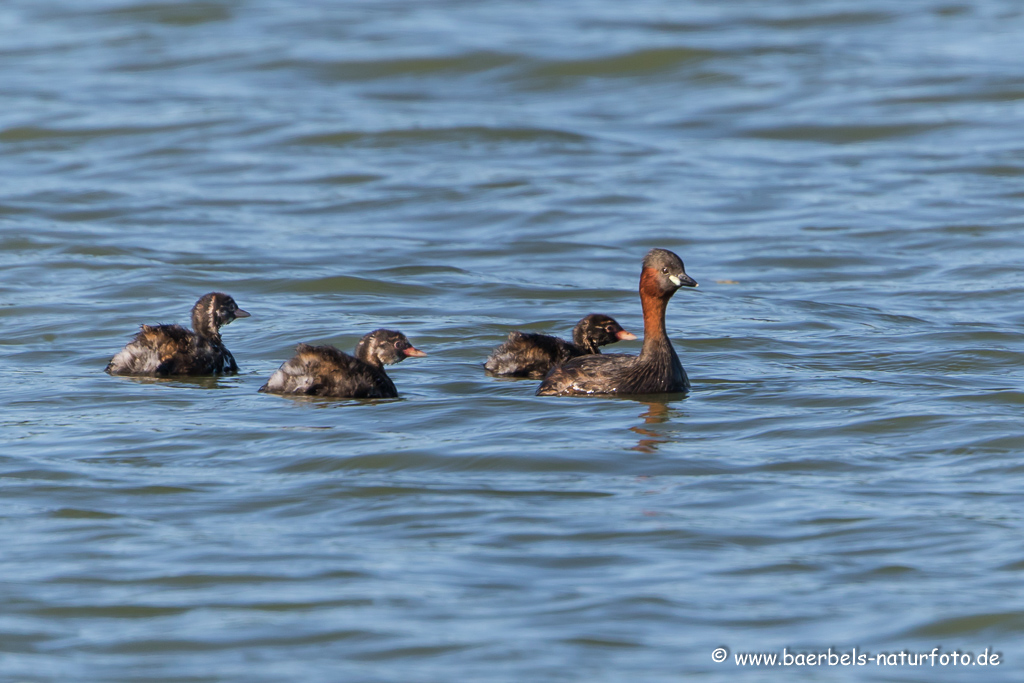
[328, 371]
[527, 354]
[165, 350]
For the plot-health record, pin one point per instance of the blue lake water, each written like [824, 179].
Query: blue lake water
[845, 180]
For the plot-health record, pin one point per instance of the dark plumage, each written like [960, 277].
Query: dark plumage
[657, 369]
[164, 350]
[326, 371]
[527, 354]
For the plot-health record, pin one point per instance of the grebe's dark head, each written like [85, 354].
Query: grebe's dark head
[665, 269]
[386, 347]
[213, 311]
[598, 330]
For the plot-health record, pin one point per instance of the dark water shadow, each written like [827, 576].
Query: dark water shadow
[205, 382]
[334, 401]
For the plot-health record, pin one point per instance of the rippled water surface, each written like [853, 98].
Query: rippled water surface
[844, 178]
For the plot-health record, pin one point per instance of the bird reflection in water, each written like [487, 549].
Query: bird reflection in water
[651, 437]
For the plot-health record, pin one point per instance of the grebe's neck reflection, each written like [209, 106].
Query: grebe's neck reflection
[657, 413]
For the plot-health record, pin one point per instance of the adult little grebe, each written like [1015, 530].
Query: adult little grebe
[527, 354]
[657, 369]
[163, 350]
[326, 371]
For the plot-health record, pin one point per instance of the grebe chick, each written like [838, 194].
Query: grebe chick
[327, 371]
[528, 354]
[164, 350]
[657, 369]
